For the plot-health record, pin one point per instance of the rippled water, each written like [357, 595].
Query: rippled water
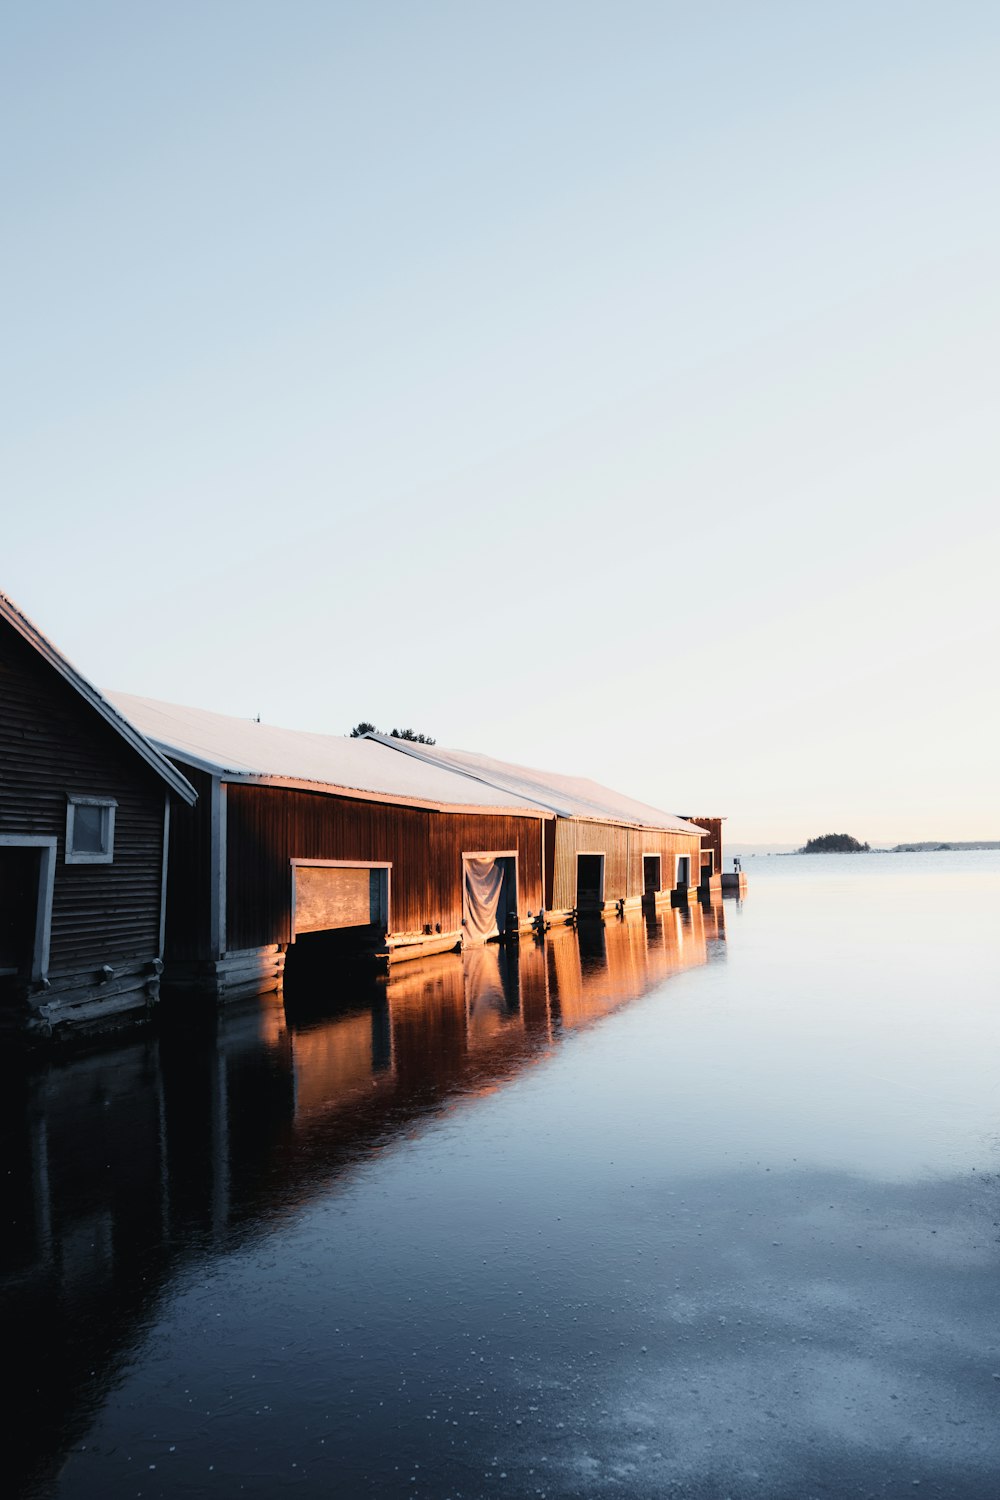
[699, 1205]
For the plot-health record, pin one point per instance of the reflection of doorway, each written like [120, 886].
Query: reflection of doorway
[651, 882]
[589, 879]
[27, 872]
[489, 895]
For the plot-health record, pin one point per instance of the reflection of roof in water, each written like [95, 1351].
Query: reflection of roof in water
[567, 796]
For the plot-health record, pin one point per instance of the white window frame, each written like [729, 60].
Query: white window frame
[87, 857]
[677, 871]
[652, 854]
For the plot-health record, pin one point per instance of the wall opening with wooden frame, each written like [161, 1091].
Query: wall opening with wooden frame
[652, 874]
[589, 878]
[329, 895]
[27, 880]
[489, 894]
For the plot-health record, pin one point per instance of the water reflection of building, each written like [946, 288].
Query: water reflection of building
[124, 1166]
[459, 1021]
[612, 963]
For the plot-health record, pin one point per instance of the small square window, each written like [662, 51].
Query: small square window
[90, 830]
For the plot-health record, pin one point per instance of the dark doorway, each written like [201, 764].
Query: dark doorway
[683, 872]
[19, 869]
[651, 882]
[589, 879]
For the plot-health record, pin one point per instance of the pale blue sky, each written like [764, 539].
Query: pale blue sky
[606, 386]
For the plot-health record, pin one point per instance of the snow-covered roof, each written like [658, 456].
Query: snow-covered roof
[243, 750]
[99, 702]
[566, 796]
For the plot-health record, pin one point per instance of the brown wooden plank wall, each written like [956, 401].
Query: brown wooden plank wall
[267, 827]
[623, 849]
[712, 838]
[592, 838]
[667, 846]
[189, 870]
[52, 744]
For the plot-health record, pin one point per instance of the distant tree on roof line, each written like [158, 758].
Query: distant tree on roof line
[360, 730]
[835, 843]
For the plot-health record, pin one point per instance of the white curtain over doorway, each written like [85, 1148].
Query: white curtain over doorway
[485, 883]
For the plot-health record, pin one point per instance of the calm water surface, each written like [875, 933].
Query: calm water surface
[704, 1205]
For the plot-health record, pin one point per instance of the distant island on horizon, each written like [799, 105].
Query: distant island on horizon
[821, 846]
[834, 843]
[932, 846]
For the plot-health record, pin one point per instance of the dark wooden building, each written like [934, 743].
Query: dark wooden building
[711, 845]
[85, 805]
[296, 834]
[604, 852]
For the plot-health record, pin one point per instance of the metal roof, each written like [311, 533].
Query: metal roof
[101, 704]
[244, 750]
[566, 796]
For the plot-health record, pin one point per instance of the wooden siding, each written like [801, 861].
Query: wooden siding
[712, 838]
[267, 827]
[189, 872]
[623, 849]
[51, 745]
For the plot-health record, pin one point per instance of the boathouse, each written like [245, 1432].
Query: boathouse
[711, 852]
[604, 852]
[85, 805]
[297, 834]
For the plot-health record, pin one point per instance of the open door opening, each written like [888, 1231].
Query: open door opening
[18, 911]
[651, 875]
[26, 873]
[339, 909]
[589, 881]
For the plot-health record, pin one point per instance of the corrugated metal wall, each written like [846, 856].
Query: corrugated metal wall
[623, 849]
[51, 745]
[269, 826]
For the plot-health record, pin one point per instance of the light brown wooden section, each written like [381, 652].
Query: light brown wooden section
[623, 849]
[326, 899]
